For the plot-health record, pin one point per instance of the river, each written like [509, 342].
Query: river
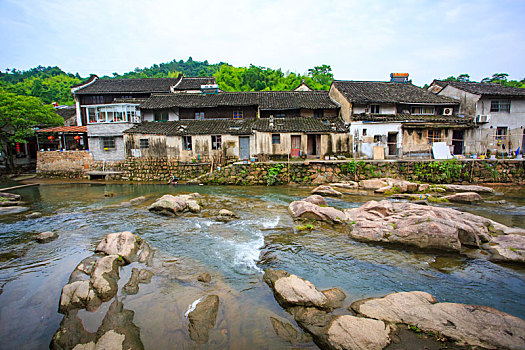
[235, 253]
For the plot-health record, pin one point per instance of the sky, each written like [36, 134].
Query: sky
[360, 40]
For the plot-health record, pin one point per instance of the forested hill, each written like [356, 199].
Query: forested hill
[51, 84]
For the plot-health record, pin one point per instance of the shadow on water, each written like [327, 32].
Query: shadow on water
[32, 275]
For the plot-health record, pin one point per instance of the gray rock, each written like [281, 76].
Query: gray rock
[124, 244]
[12, 210]
[226, 215]
[294, 291]
[286, 331]
[105, 275]
[350, 185]
[204, 277]
[137, 200]
[464, 197]
[417, 225]
[507, 248]
[45, 237]
[467, 188]
[203, 318]
[472, 325]
[350, 332]
[335, 297]
[34, 215]
[316, 199]
[137, 276]
[306, 210]
[372, 184]
[78, 295]
[326, 191]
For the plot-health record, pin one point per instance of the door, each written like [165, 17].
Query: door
[296, 146]
[244, 147]
[392, 143]
[458, 138]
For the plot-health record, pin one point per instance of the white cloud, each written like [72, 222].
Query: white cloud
[360, 40]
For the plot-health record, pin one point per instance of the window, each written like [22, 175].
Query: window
[276, 139]
[500, 106]
[237, 114]
[434, 136]
[144, 143]
[280, 115]
[377, 138]
[216, 142]
[423, 110]
[501, 133]
[199, 115]
[374, 109]
[107, 142]
[186, 143]
[97, 100]
[318, 113]
[113, 113]
[364, 132]
[160, 116]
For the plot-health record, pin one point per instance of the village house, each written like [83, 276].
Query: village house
[239, 125]
[397, 118]
[109, 106]
[498, 113]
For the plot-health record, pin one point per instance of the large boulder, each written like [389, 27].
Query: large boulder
[509, 248]
[105, 275]
[294, 291]
[464, 197]
[306, 210]
[467, 188]
[124, 244]
[316, 199]
[172, 205]
[78, 295]
[350, 332]
[372, 184]
[473, 325]
[418, 225]
[203, 318]
[326, 191]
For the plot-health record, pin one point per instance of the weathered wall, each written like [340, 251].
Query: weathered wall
[75, 164]
[466, 171]
[346, 107]
[149, 116]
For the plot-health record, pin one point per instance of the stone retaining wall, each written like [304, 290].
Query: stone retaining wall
[471, 171]
[75, 164]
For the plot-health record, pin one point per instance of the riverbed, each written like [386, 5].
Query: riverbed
[235, 253]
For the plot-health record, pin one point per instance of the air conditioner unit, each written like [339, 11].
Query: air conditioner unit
[448, 111]
[482, 118]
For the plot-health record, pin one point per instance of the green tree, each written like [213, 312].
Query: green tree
[322, 74]
[19, 117]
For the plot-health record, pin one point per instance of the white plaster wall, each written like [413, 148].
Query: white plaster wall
[367, 143]
[383, 109]
[466, 99]
[173, 115]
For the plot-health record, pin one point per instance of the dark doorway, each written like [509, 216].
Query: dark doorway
[313, 145]
[392, 143]
[296, 145]
[458, 139]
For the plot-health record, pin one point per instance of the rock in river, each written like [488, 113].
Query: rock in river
[203, 318]
[125, 244]
[305, 209]
[326, 191]
[172, 205]
[472, 325]
[45, 237]
[464, 197]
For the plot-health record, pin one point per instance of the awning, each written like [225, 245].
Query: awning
[64, 129]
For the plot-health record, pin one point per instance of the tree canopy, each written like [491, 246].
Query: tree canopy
[498, 78]
[19, 117]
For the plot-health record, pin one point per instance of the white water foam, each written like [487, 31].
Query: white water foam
[271, 223]
[192, 307]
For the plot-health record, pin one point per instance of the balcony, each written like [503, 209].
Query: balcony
[113, 113]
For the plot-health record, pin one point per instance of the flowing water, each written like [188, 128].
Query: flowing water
[235, 253]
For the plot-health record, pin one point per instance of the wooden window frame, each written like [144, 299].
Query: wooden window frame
[276, 139]
[237, 114]
[143, 143]
[216, 142]
[187, 143]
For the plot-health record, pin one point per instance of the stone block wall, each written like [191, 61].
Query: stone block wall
[75, 164]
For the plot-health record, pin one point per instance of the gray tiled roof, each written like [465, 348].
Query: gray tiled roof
[148, 85]
[484, 89]
[410, 118]
[266, 100]
[365, 92]
[238, 127]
